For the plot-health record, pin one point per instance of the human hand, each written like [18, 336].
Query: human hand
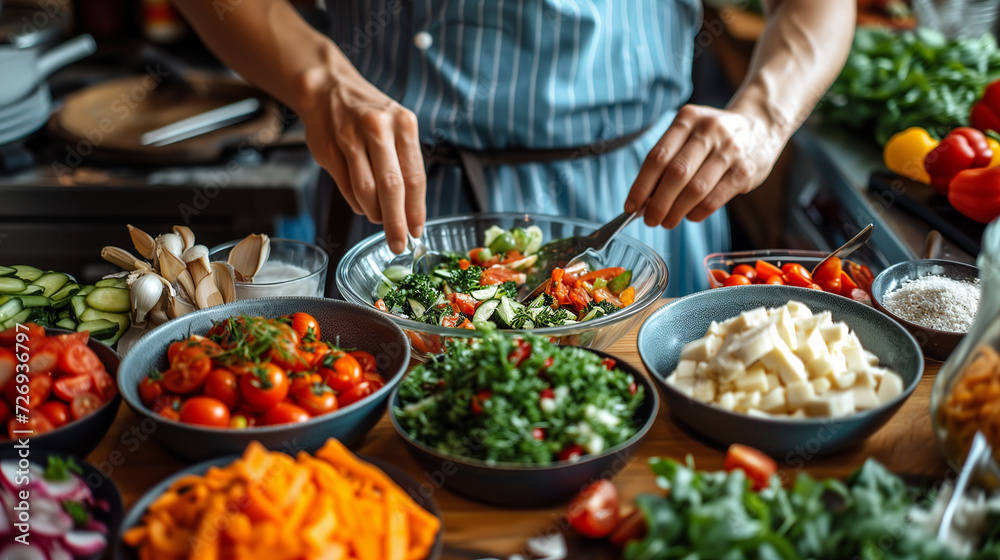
[704, 159]
[369, 144]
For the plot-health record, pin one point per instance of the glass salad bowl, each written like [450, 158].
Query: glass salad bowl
[360, 271]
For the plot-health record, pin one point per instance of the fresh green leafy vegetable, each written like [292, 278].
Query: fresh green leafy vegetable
[60, 469]
[500, 399]
[717, 515]
[893, 81]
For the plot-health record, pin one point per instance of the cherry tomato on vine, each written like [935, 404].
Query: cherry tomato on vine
[205, 411]
[264, 386]
[306, 326]
[222, 384]
[285, 413]
[737, 280]
[745, 270]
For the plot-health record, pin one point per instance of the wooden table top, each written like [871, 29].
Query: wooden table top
[905, 445]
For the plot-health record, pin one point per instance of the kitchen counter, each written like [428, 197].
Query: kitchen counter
[905, 445]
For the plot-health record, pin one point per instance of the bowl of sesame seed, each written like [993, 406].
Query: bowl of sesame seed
[934, 299]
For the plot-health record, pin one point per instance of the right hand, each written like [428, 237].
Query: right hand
[369, 144]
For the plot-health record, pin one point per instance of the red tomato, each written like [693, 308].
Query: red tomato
[457, 321]
[828, 276]
[356, 393]
[847, 285]
[285, 349]
[39, 390]
[466, 303]
[737, 280]
[285, 413]
[601, 294]
[79, 359]
[205, 411]
[84, 404]
[313, 353]
[579, 298]
[797, 275]
[757, 466]
[606, 274]
[170, 414]
[151, 388]
[57, 413]
[221, 384]
[264, 386]
[341, 372]
[67, 387]
[538, 433]
[37, 424]
[632, 528]
[571, 452]
[167, 402]
[498, 275]
[31, 334]
[64, 340]
[381, 306]
[5, 412]
[520, 352]
[717, 276]
[365, 360]
[104, 384]
[8, 366]
[44, 358]
[195, 341]
[478, 400]
[862, 276]
[188, 373]
[745, 270]
[559, 292]
[306, 326]
[766, 270]
[609, 363]
[594, 511]
[315, 398]
[775, 280]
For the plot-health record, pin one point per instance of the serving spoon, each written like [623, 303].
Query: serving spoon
[847, 248]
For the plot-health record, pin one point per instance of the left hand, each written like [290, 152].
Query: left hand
[705, 158]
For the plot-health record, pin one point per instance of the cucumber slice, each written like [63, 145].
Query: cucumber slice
[382, 289]
[5, 298]
[99, 328]
[508, 309]
[65, 314]
[29, 290]
[485, 311]
[22, 317]
[35, 301]
[396, 273]
[111, 283]
[418, 308]
[66, 292]
[112, 300]
[12, 307]
[79, 304]
[486, 293]
[68, 324]
[10, 285]
[522, 264]
[491, 234]
[442, 273]
[51, 282]
[120, 318]
[27, 273]
[534, 234]
[86, 290]
[7, 271]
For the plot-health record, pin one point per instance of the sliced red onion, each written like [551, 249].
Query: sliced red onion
[8, 474]
[85, 543]
[73, 488]
[17, 551]
[48, 518]
[95, 525]
[58, 552]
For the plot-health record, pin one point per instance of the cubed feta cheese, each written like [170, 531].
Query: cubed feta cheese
[867, 379]
[834, 332]
[890, 387]
[757, 413]
[685, 368]
[865, 397]
[727, 401]
[716, 329]
[811, 347]
[821, 385]
[833, 403]
[845, 380]
[855, 357]
[798, 310]
[773, 380]
[704, 390]
[872, 358]
[787, 365]
[774, 401]
[798, 394]
[785, 328]
[751, 400]
[756, 381]
[747, 320]
[701, 350]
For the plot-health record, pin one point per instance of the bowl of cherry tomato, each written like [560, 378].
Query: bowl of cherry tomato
[792, 268]
[67, 398]
[289, 372]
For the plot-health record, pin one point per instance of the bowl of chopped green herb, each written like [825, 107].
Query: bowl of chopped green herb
[488, 258]
[522, 422]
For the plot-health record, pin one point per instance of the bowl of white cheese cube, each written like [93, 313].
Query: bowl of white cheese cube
[794, 372]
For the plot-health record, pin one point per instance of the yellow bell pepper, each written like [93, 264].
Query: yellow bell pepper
[995, 146]
[905, 151]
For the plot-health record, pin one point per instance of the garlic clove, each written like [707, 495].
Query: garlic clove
[144, 243]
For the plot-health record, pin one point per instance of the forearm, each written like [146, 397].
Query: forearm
[269, 45]
[801, 52]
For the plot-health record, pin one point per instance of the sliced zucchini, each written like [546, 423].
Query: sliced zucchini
[10, 285]
[30, 290]
[85, 290]
[99, 328]
[522, 264]
[121, 318]
[68, 324]
[51, 282]
[65, 314]
[538, 302]
[35, 301]
[22, 317]
[417, 307]
[79, 304]
[442, 273]
[382, 289]
[10, 308]
[396, 273]
[27, 273]
[7, 271]
[485, 311]
[489, 292]
[111, 283]
[112, 300]
[491, 234]
[5, 298]
[66, 292]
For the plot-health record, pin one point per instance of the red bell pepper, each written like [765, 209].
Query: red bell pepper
[963, 148]
[985, 113]
[976, 193]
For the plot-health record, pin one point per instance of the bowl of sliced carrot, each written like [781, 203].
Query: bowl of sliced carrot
[267, 504]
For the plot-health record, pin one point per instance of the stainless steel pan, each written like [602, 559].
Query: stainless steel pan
[23, 69]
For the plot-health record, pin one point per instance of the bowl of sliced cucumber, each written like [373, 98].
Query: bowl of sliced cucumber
[55, 299]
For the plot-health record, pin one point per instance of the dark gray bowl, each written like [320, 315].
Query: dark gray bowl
[80, 437]
[121, 551]
[937, 345]
[794, 441]
[102, 487]
[516, 485]
[358, 327]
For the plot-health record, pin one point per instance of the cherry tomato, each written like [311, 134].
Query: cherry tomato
[478, 400]
[315, 398]
[33, 334]
[306, 326]
[766, 270]
[520, 352]
[285, 349]
[285, 413]
[36, 424]
[44, 358]
[466, 303]
[151, 388]
[103, 384]
[365, 360]
[828, 276]
[374, 379]
[241, 421]
[264, 386]
[195, 341]
[632, 528]
[757, 466]
[5, 412]
[775, 280]
[571, 452]
[205, 411]
[341, 372]
[39, 389]
[381, 306]
[717, 276]
[188, 372]
[165, 402]
[356, 393]
[57, 413]
[594, 511]
[84, 404]
[538, 433]
[847, 285]
[609, 363]
[8, 366]
[737, 280]
[170, 414]
[498, 275]
[797, 275]
[79, 359]
[68, 387]
[313, 353]
[745, 270]
[221, 384]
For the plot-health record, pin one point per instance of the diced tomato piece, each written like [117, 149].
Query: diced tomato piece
[464, 264]
[602, 294]
[466, 303]
[381, 306]
[716, 277]
[498, 275]
[579, 298]
[847, 285]
[757, 466]
[607, 274]
[746, 270]
[766, 270]
[737, 280]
